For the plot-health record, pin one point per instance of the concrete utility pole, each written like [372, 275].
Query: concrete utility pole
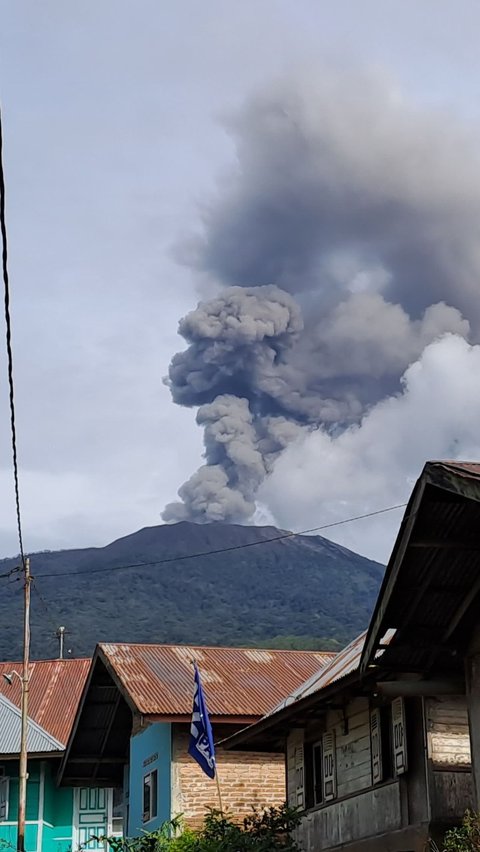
[61, 638]
[22, 787]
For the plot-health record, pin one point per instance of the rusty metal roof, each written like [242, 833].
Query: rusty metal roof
[54, 693]
[344, 663]
[157, 679]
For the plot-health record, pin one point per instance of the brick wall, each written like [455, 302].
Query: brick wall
[246, 778]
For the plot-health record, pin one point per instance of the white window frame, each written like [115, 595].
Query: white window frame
[153, 799]
[329, 766]
[400, 752]
[5, 788]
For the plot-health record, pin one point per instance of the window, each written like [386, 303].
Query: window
[399, 736]
[118, 808]
[317, 765]
[329, 766]
[387, 740]
[299, 781]
[4, 783]
[150, 787]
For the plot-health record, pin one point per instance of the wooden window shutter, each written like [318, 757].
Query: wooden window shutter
[376, 745]
[299, 777]
[399, 736]
[329, 767]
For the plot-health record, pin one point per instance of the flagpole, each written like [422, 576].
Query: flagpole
[218, 790]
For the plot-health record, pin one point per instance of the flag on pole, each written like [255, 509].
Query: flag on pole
[201, 746]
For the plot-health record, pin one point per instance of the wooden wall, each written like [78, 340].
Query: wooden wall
[448, 732]
[367, 814]
[448, 744]
[354, 764]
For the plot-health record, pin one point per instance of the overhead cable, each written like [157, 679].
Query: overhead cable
[181, 558]
[8, 336]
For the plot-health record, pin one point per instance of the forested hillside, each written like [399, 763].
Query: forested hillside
[302, 591]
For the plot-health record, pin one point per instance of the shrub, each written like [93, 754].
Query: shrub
[466, 838]
[266, 831]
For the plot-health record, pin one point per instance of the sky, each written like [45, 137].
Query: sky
[122, 121]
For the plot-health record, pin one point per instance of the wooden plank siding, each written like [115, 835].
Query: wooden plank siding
[433, 793]
[448, 731]
[369, 813]
[294, 741]
[353, 755]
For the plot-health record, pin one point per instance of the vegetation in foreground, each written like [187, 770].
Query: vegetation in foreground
[466, 838]
[266, 831]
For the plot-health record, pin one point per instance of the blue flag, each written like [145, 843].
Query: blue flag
[201, 746]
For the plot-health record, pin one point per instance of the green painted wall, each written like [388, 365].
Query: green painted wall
[56, 832]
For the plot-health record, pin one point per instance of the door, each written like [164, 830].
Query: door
[93, 809]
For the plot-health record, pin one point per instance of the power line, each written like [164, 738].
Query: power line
[9, 573]
[222, 549]
[8, 334]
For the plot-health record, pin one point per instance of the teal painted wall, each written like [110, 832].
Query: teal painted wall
[9, 832]
[58, 815]
[56, 832]
[152, 747]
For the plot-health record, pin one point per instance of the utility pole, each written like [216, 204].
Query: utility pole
[61, 638]
[22, 787]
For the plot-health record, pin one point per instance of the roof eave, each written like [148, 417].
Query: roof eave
[447, 476]
[286, 714]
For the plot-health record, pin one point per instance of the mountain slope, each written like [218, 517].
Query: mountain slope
[304, 587]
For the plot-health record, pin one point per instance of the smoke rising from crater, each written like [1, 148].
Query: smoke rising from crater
[344, 243]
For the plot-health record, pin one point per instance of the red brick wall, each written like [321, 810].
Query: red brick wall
[246, 778]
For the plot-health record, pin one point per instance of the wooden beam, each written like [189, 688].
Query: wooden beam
[97, 760]
[460, 612]
[438, 544]
[427, 688]
[107, 733]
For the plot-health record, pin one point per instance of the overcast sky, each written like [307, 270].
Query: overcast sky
[113, 142]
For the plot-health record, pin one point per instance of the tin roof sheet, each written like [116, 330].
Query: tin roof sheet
[54, 693]
[343, 664]
[432, 573]
[38, 740]
[237, 681]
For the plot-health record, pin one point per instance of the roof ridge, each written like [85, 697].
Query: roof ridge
[56, 660]
[216, 647]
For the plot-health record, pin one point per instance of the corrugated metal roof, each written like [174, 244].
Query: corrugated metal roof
[54, 693]
[38, 740]
[431, 573]
[237, 681]
[344, 663]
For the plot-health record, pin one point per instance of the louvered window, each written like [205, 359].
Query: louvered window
[376, 745]
[399, 737]
[329, 767]
[299, 777]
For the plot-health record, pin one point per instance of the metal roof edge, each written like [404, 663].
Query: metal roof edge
[122, 687]
[393, 567]
[15, 711]
[284, 713]
[454, 476]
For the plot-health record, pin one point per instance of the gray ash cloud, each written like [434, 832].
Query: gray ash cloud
[345, 241]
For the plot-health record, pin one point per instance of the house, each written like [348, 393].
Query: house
[133, 723]
[54, 817]
[383, 744]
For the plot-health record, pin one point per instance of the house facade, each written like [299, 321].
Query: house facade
[382, 744]
[57, 820]
[133, 724]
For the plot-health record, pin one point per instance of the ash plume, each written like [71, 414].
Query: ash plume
[345, 242]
